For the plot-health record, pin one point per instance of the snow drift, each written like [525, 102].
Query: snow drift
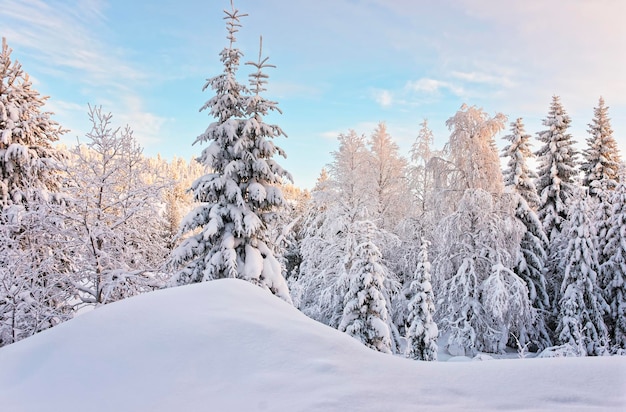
[228, 345]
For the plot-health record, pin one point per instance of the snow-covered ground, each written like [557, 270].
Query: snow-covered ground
[230, 346]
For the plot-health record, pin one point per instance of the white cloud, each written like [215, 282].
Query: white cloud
[383, 97]
[483, 78]
[330, 135]
[433, 86]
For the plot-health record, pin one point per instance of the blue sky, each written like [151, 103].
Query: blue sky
[341, 64]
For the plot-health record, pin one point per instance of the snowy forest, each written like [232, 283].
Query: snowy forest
[468, 246]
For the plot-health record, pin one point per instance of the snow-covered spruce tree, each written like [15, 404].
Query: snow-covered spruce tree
[615, 267]
[119, 234]
[580, 321]
[33, 290]
[530, 266]
[518, 178]
[401, 252]
[600, 166]
[517, 174]
[29, 165]
[228, 231]
[423, 332]
[365, 309]
[556, 184]
[601, 157]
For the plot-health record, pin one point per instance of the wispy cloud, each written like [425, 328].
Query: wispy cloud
[434, 86]
[68, 38]
[483, 78]
[383, 97]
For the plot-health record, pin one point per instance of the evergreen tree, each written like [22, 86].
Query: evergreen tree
[423, 332]
[34, 291]
[518, 178]
[580, 322]
[556, 184]
[365, 309]
[29, 165]
[601, 175]
[518, 175]
[615, 267]
[238, 200]
[601, 157]
[530, 267]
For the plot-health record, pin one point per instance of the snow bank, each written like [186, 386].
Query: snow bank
[228, 345]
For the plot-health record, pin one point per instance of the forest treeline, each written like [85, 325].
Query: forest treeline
[399, 251]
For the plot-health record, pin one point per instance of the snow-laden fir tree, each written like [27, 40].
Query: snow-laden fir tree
[518, 174]
[581, 306]
[423, 332]
[556, 184]
[615, 267]
[600, 166]
[519, 179]
[228, 231]
[556, 181]
[29, 165]
[365, 314]
[33, 290]
[601, 157]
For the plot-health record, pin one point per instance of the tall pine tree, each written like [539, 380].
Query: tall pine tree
[423, 332]
[242, 194]
[615, 267]
[519, 178]
[29, 165]
[580, 322]
[601, 157]
[556, 184]
[601, 175]
[33, 288]
[365, 315]
[518, 174]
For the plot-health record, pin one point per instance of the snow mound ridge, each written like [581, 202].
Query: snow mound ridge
[228, 345]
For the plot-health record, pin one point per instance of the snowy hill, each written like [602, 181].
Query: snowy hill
[230, 346]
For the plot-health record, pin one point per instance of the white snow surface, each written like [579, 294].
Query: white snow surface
[228, 345]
